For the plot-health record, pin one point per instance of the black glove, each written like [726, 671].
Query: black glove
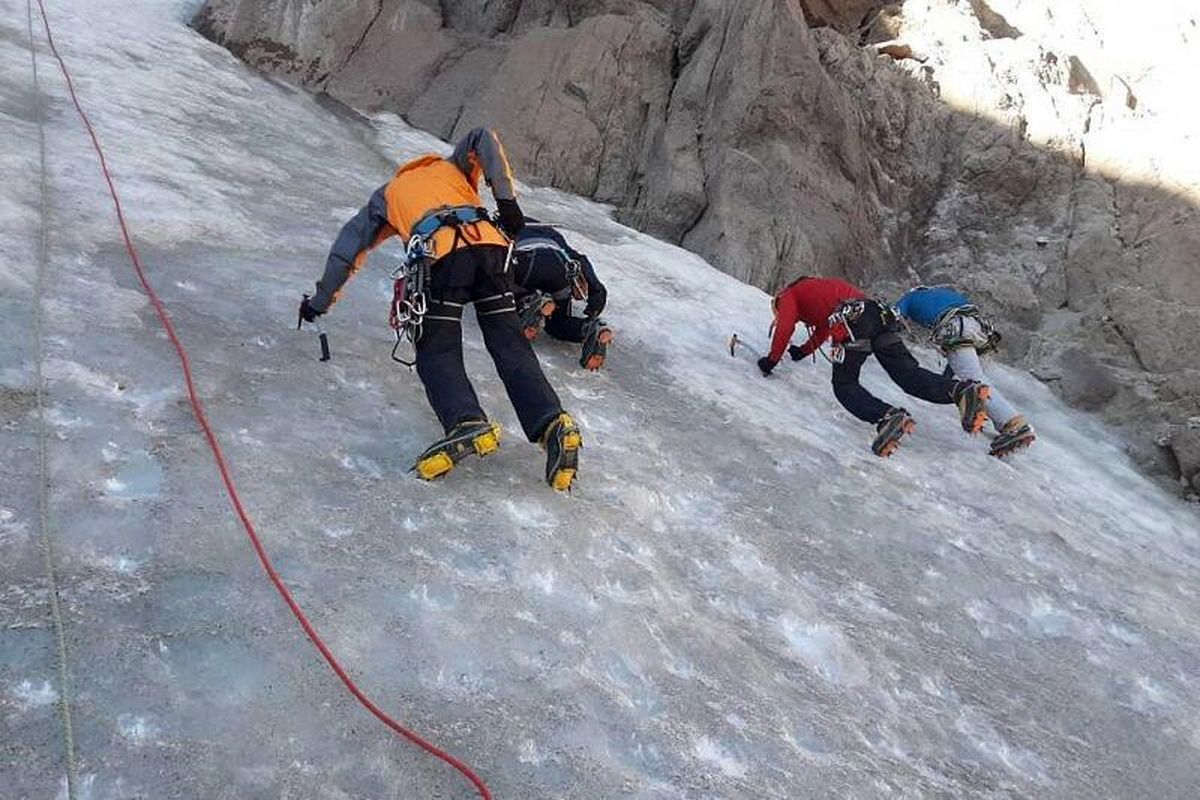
[511, 218]
[307, 312]
[795, 352]
[766, 365]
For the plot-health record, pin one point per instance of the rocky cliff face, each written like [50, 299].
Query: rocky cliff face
[1040, 154]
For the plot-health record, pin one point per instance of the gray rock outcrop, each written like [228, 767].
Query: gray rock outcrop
[1039, 154]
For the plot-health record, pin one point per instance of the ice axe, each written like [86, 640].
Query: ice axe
[320, 333]
[736, 342]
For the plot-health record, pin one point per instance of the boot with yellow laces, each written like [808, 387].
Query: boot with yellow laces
[562, 441]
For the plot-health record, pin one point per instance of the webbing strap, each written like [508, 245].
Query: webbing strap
[530, 243]
[496, 304]
[444, 310]
[886, 339]
[447, 216]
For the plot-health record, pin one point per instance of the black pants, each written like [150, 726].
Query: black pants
[895, 359]
[544, 272]
[562, 326]
[476, 275]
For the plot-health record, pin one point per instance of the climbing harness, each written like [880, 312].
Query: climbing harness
[949, 332]
[849, 311]
[463, 219]
[572, 267]
[411, 306]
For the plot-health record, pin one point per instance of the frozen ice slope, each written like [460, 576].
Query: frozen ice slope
[739, 601]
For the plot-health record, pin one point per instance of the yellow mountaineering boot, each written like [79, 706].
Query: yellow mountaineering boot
[562, 441]
[477, 436]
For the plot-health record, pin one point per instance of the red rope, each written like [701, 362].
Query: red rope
[219, 456]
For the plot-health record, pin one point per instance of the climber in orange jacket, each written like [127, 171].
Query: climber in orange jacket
[433, 204]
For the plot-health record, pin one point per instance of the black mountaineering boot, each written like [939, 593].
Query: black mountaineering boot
[562, 441]
[596, 338]
[475, 436]
[971, 398]
[533, 309]
[895, 425]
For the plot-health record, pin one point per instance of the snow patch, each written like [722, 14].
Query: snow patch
[361, 465]
[10, 525]
[120, 564]
[990, 745]
[824, 649]
[33, 695]
[529, 753]
[542, 581]
[137, 729]
[531, 512]
[140, 478]
[712, 752]
[1149, 696]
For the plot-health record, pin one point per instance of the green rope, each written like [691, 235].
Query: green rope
[64, 690]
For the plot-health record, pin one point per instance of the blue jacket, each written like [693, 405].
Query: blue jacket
[925, 305]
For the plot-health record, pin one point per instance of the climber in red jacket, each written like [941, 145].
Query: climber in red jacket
[859, 326]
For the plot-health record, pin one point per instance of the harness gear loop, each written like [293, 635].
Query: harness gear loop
[409, 299]
[849, 311]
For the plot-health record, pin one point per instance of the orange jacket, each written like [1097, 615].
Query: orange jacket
[422, 185]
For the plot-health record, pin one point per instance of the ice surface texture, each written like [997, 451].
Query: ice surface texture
[738, 601]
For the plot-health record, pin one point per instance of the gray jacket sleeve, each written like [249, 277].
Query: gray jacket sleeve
[485, 145]
[357, 236]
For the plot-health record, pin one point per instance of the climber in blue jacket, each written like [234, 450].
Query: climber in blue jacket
[957, 328]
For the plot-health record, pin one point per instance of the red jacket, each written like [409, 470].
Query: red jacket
[811, 301]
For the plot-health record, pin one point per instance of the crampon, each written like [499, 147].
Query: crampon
[473, 437]
[1017, 435]
[562, 441]
[897, 424]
